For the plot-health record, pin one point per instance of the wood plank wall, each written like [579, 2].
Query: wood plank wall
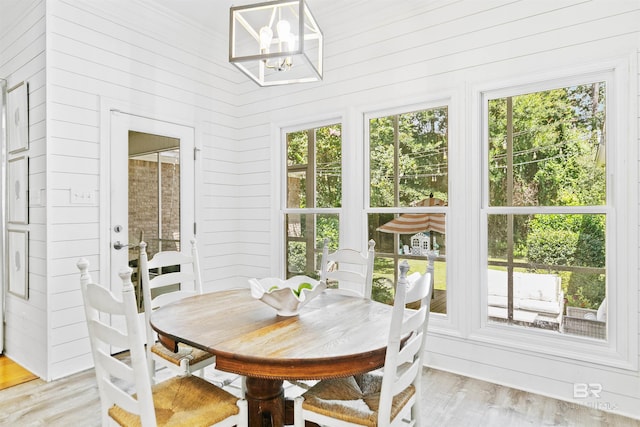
[22, 58]
[104, 50]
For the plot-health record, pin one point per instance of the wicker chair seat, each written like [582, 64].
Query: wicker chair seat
[181, 401]
[354, 399]
[194, 355]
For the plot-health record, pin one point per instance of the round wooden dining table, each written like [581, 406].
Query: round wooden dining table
[334, 335]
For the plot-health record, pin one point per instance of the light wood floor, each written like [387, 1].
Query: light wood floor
[448, 400]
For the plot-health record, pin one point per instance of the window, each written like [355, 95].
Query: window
[547, 208]
[313, 196]
[408, 193]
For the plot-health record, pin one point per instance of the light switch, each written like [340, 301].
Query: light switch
[83, 197]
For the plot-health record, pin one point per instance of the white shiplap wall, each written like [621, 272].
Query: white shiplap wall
[410, 52]
[22, 58]
[163, 67]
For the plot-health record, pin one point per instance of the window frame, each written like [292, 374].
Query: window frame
[280, 156]
[439, 101]
[620, 349]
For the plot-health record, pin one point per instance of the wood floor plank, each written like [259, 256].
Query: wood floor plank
[447, 400]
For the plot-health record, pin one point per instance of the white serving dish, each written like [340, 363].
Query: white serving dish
[283, 299]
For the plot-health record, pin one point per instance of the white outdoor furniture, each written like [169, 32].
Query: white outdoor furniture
[387, 398]
[127, 397]
[587, 322]
[537, 298]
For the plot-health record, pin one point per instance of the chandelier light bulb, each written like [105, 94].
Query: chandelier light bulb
[266, 35]
[291, 42]
[284, 29]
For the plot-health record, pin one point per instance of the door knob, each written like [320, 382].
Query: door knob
[119, 245]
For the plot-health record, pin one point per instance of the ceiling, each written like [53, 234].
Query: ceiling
[214, 14]
[207, 13]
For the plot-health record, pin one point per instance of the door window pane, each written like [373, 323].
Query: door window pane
[154, 197]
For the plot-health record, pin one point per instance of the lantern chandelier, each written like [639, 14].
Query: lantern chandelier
[276, 43]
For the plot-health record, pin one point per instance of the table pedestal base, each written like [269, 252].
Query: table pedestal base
[265, 399]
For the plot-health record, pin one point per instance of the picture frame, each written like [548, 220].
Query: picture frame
[17, 190]
[18, 263]
[18, 118]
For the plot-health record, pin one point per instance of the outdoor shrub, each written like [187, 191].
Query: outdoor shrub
[382, 291]
[553, 247]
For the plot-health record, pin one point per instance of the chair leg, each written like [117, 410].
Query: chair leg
[184, 367]
[298, 420]
[151, 364]
[244, 413]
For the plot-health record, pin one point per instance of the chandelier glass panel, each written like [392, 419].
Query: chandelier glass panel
[276, 43]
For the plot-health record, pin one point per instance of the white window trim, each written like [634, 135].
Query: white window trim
[621, 348]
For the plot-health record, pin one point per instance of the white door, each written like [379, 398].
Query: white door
[152, 170]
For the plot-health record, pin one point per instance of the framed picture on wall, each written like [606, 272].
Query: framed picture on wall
[18, 118]
[18, 259]
[17, 190]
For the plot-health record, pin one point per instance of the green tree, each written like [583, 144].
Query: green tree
[420, 159]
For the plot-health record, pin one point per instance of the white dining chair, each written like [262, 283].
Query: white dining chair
[347, 271]
[390, 397]
[167, 277]
[127, 397]
[349, 268]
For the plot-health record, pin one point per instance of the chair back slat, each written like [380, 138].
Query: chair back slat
[186, 280]
[168, 258]
[346, 276]
[116, 396]
[116, 368]
[101, 299]
[347, 256]
[170, 297]
[410, 349]
[406, 378]
[414, 321]
[107, 334]
[419, 287]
